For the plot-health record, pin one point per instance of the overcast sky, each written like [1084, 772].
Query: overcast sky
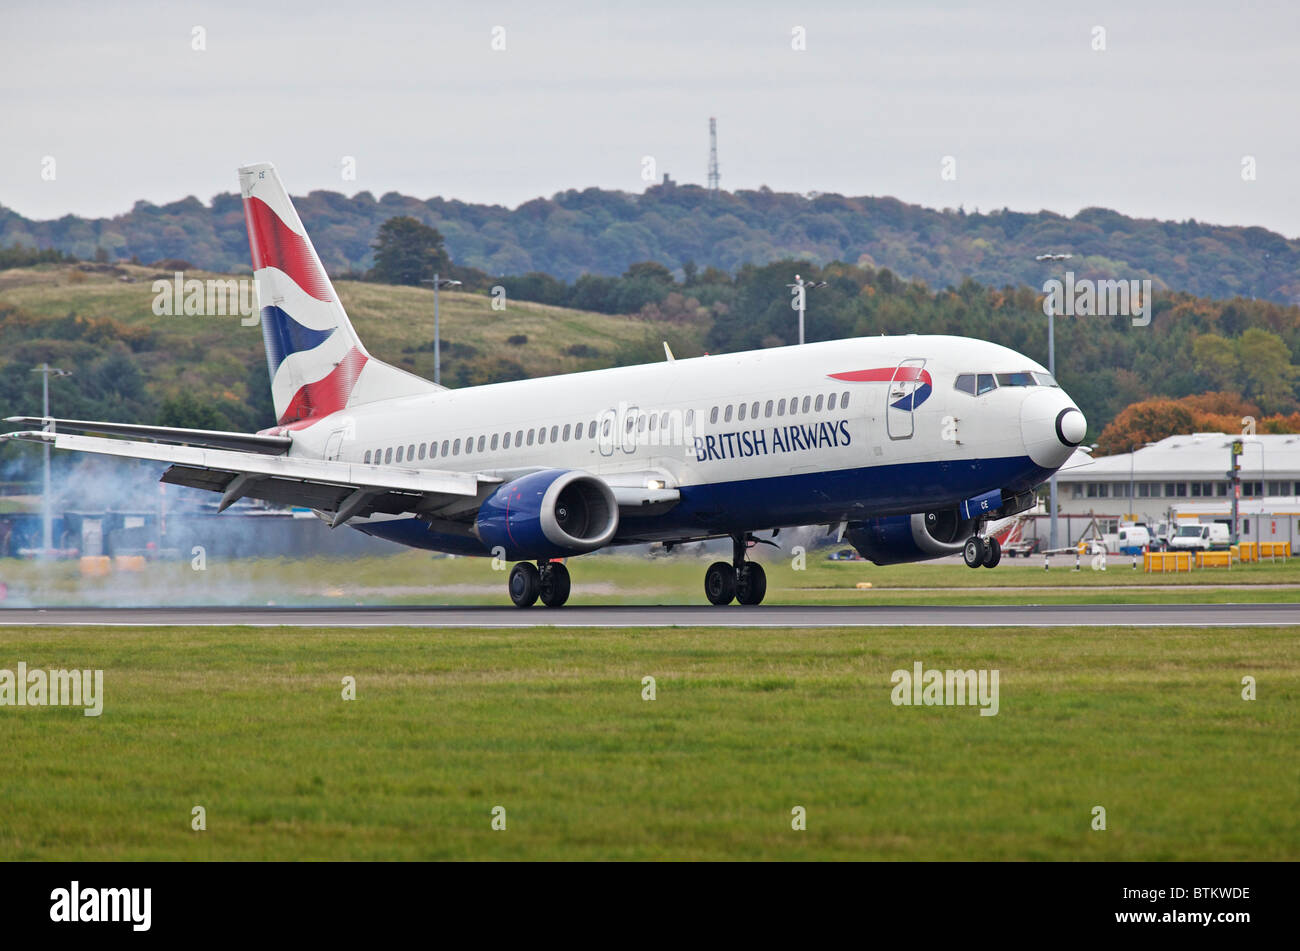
[1156, 125]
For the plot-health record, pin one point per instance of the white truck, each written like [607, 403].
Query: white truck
[1201, 536]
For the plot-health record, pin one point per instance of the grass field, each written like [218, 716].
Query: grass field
[551, 725]
[417, 578]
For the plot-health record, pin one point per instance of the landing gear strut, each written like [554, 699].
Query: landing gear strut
[981, 552]
[743, 581]
[548, 580]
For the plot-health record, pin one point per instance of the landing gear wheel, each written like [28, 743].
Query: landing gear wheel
[973, 551]
[751, 583]
[992, 553]
[720, 583]
[525, 585]
[554, 585]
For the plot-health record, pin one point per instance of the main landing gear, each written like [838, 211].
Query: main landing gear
[548, 580]
[979, 551]
[743, 581]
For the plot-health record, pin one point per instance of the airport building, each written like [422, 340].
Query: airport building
[1187, 477]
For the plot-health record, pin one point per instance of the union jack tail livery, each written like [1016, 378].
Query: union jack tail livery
[318, 364]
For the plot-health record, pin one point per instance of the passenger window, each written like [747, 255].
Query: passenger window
[367, 459]
[780, 408]
[604, 431]
[726, 416]
[663, 421]
[481, 440]
[807, 402]
[495, 437]
[740, 415]
[818, 405]
[530, 436]
[455, 448]
[690, 417]
[399, 453]
[469, 445]
[433, 449]
[388, 455]
[422, 449]
[640, 424]
[541, 435]
[768, 410]
[505, 443]
[844, 400]
[519, 438]
[591, 430]
[444, 447]
[966, 383]
[631, 424]
[555, 432]
[568, 427]
[794, 405]
[410, 452]
[713, 415]
[985, 384]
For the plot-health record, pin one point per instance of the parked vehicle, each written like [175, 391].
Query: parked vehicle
[1200, 536]
[1129, 540]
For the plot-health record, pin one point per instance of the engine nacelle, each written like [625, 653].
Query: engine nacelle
[548, 514]
[901, 538]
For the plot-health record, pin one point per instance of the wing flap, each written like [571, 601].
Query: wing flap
[215, 439]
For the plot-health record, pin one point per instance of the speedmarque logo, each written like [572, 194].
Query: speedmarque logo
[103, 905]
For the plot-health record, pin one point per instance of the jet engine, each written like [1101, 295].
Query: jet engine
[901, 538]
[549, 514]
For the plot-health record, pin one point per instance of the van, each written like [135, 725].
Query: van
[1200, 536]
[1132, 540]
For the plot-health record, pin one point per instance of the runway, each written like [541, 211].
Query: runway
[1026, 615]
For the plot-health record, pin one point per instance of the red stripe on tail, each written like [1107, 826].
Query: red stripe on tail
[328, 395]
[275, 244]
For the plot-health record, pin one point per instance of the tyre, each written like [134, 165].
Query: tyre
[973, 551]
[720, 583]
[554, 585]
[751, 583]
[992, 553]
[525, 584]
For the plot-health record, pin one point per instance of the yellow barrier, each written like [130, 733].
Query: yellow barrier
[96, 566]
[1161, 561]
[1249, 551]
[129, 562]
[1214, 559]
[1274, 550]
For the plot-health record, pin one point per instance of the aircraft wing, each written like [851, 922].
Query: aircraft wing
[247, 442]
[342, 488]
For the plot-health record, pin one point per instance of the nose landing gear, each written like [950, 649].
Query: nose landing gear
[981, 552]
[743, 581]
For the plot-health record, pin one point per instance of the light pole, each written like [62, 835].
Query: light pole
[47, 517]
[799, 293]
[438, 282]
[1051, 368]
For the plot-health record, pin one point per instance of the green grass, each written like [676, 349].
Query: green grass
[550, 724]
[413, 577]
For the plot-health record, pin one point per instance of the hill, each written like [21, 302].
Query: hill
[604, 232]
[210, 371]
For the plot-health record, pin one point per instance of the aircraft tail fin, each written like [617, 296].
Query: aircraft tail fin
[317, 363]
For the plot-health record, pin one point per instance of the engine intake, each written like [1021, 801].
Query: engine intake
[548, 514]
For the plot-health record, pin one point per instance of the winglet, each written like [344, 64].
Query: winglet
[668, 352]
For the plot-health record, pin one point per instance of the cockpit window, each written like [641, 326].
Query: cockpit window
[966, 383]
[1024, 378]
[986, 384]
[1045, 379]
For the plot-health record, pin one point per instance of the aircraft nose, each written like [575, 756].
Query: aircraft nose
[1052, 426]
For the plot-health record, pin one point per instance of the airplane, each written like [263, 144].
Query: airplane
[905, 445]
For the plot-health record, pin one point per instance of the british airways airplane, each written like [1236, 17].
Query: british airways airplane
[906, 446]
